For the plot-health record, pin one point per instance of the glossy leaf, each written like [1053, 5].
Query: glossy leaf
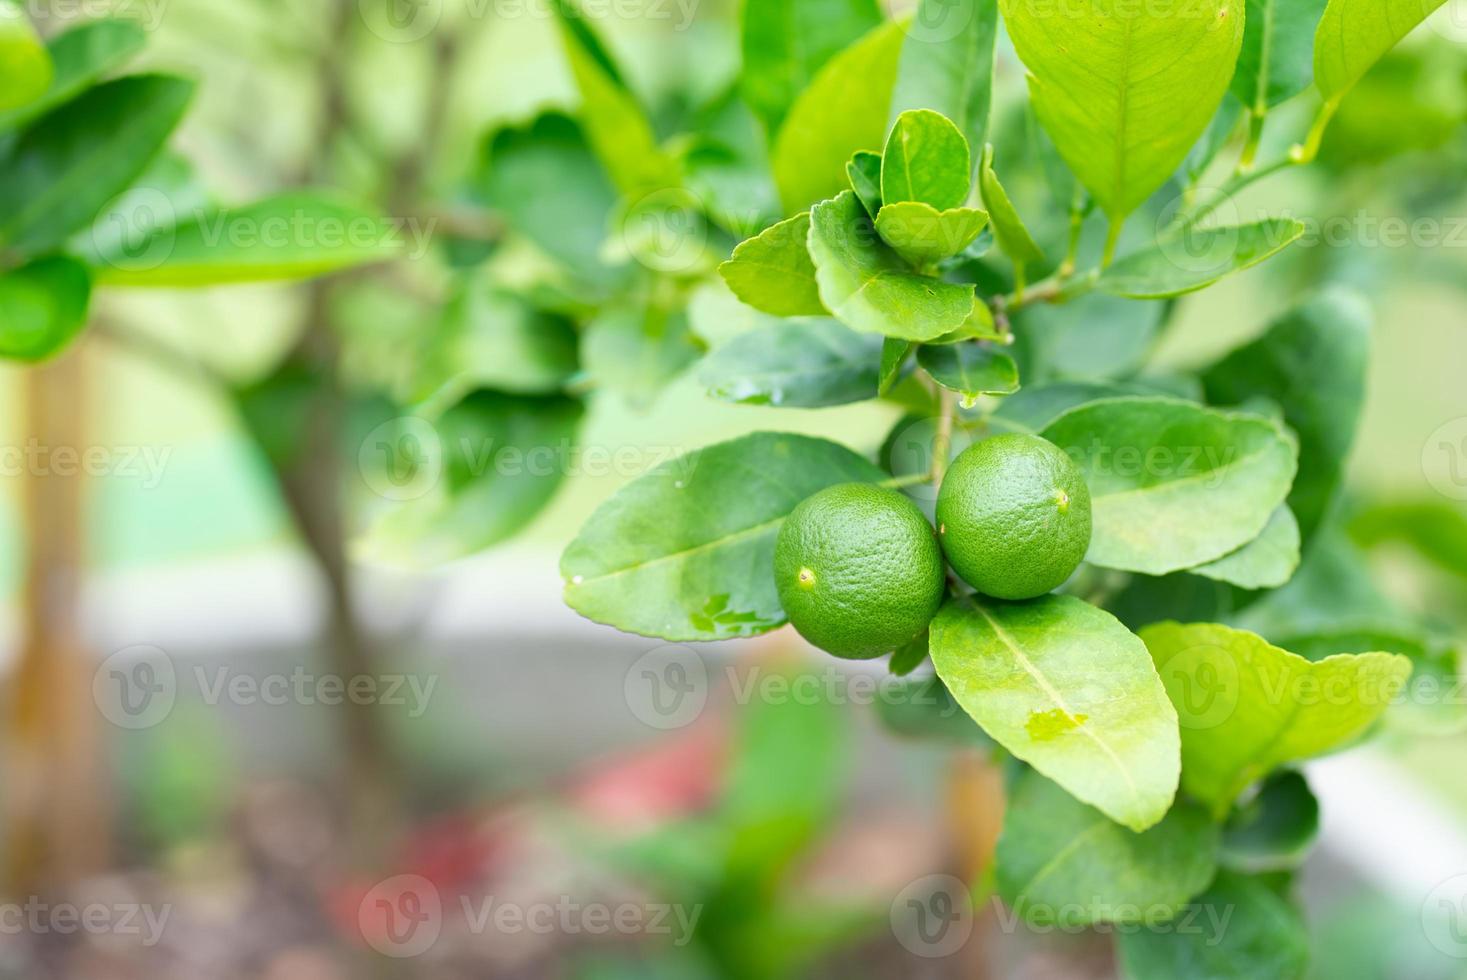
[43, 305]
[684, 552]
[844, 110]
[1355, 34]
[1311, 362]
[25, 64]
[68, 164]
[1124, 90]
[926, 160]
[864, 172]
[1247, 707]
[1061, 862]
[1278, 41]
[1275, 830]
[947, 63]
[894, 355]
[869, 287]
[970, 369]
[298, 235]
[80, 57]
[794, 365]
[785, 42]
[1009, 229]
[1195, 258]
[1066, 688]
[773, 273]
[925, 236]
[1174, 485]
[1266, 562]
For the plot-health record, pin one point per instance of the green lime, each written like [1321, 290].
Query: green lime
[1013, 516]
[859, 570]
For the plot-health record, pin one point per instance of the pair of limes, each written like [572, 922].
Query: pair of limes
[860, 571]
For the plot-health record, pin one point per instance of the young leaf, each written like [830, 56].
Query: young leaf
[785, 42]
[80, 56]
[947, 63]
[1174, 485]
[1012, 235]
[42, 307]
[684, 552]
[794, 365]
[1247, 707]
[1194, 258]
[25, 64]
[1274, 64]
[1354, 34]
[926, 160]
[844, 110]
[894, 354]
[1066, 688]
[1242, 931]
[864, 171]
[1275, 830]
[925, 236]
[910, 657]
[867, 285]
[970, 369]
[298, 235]
[1266, 562]
[1061, 862]
[772, 272]
[1106, 80]
[1311, 362]
[66, 165]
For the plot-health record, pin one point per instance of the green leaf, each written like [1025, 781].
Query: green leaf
[494, 462]
[921, 707]
[1107, 82]
[1311, 362]
[894, 355]
[864, 171]
[1094, 336]
[1436, 530]
[772, 272]
[81, 56]
[926, 160]
[684, 552]
[1355, 34]
[297, 235]
[1247, 707]
[910, 657]
[970, 369]
[615, 123]
[947, 63]
[637, 351]
[549, 186]
[1061, 862]
[1333, 586]
[43, 305]
[25, 64]
[925, 236]
[1274, 64]
[867, 285]
[1242, 930]
[1009, 229]
[1036, 406]
[843, 111]
[1066, 688]
[67, 165]
[1275, 830]
[492, 339]
[1174, 485]
[785, 42]
[1266, 562]
[794, 365]
[1194, 258]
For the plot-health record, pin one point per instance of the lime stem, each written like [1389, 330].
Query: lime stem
[942, 443]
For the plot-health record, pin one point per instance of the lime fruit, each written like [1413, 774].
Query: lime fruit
[859, 570]
[1013, 516]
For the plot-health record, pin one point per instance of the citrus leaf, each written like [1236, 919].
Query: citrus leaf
[970, 369]
[844, 110]
[25, 64]
[947, 63]
[1009, 229]
[1061, 862]
[1266, 562]
[785, 42]
[867, 285]
[1174, 485]
[926, 160]
[1066, 688]
[912, 656]
[685, 552]
[70, 163]
[925, 236]
[80, 56]
[1195, 258]
[1275, 830]
[794, 365]
[864, 172]
[1354, 34]
[894, 354]
[772, 272]
[1274, 63]
[1105, 79]
[1248, 707]
[43, 305]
